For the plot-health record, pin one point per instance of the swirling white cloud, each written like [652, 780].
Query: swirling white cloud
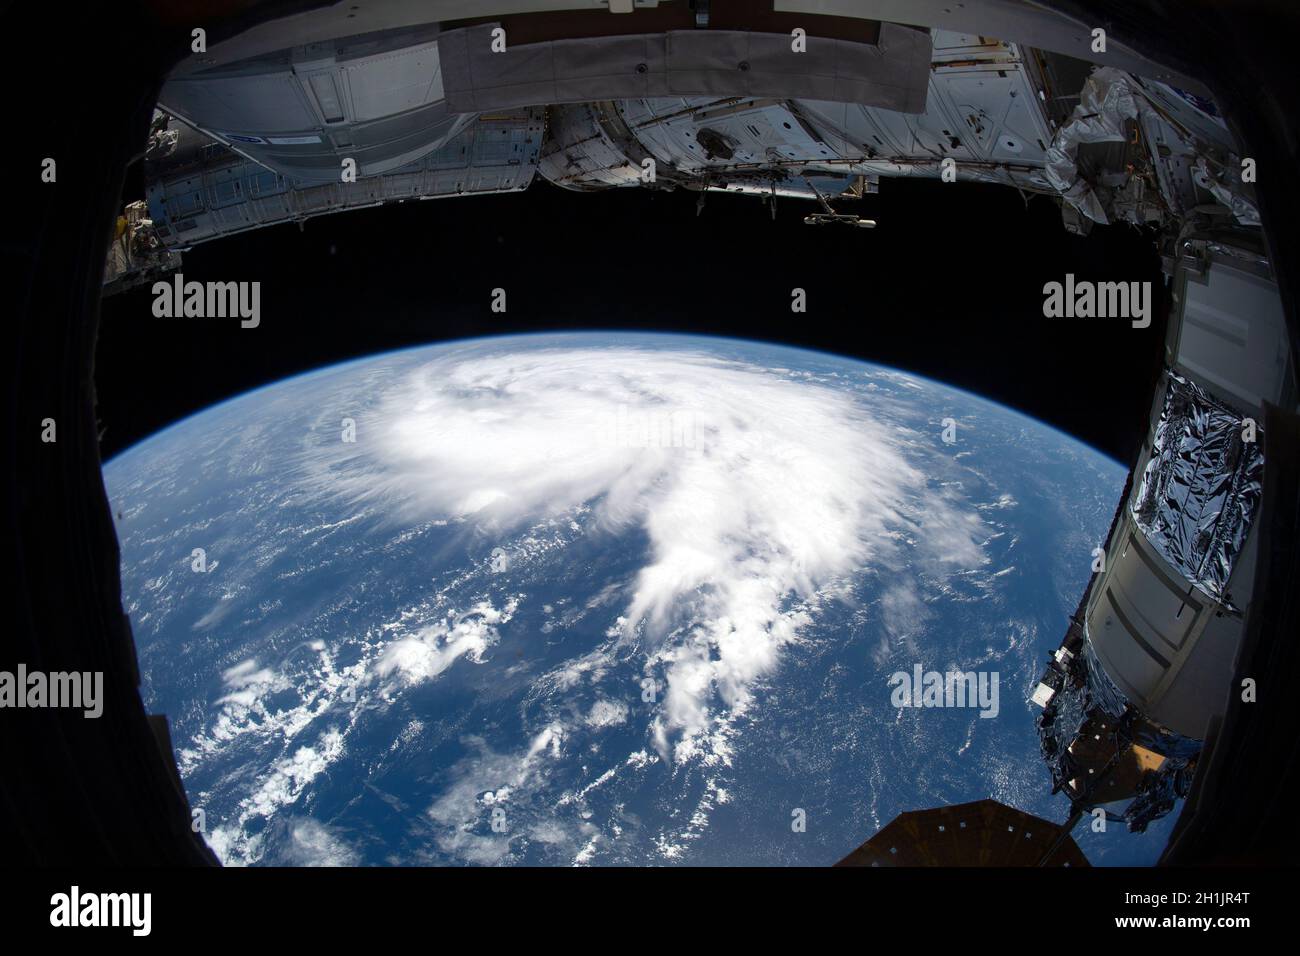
[756, 489]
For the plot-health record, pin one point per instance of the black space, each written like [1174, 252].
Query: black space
[949, 285]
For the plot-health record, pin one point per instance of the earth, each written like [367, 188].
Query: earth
[601, 599]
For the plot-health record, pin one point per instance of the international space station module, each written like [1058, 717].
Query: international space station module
[314, 114]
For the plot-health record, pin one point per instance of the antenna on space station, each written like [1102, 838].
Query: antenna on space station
[830, 215]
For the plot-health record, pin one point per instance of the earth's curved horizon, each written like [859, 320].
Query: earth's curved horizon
[600, 598]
